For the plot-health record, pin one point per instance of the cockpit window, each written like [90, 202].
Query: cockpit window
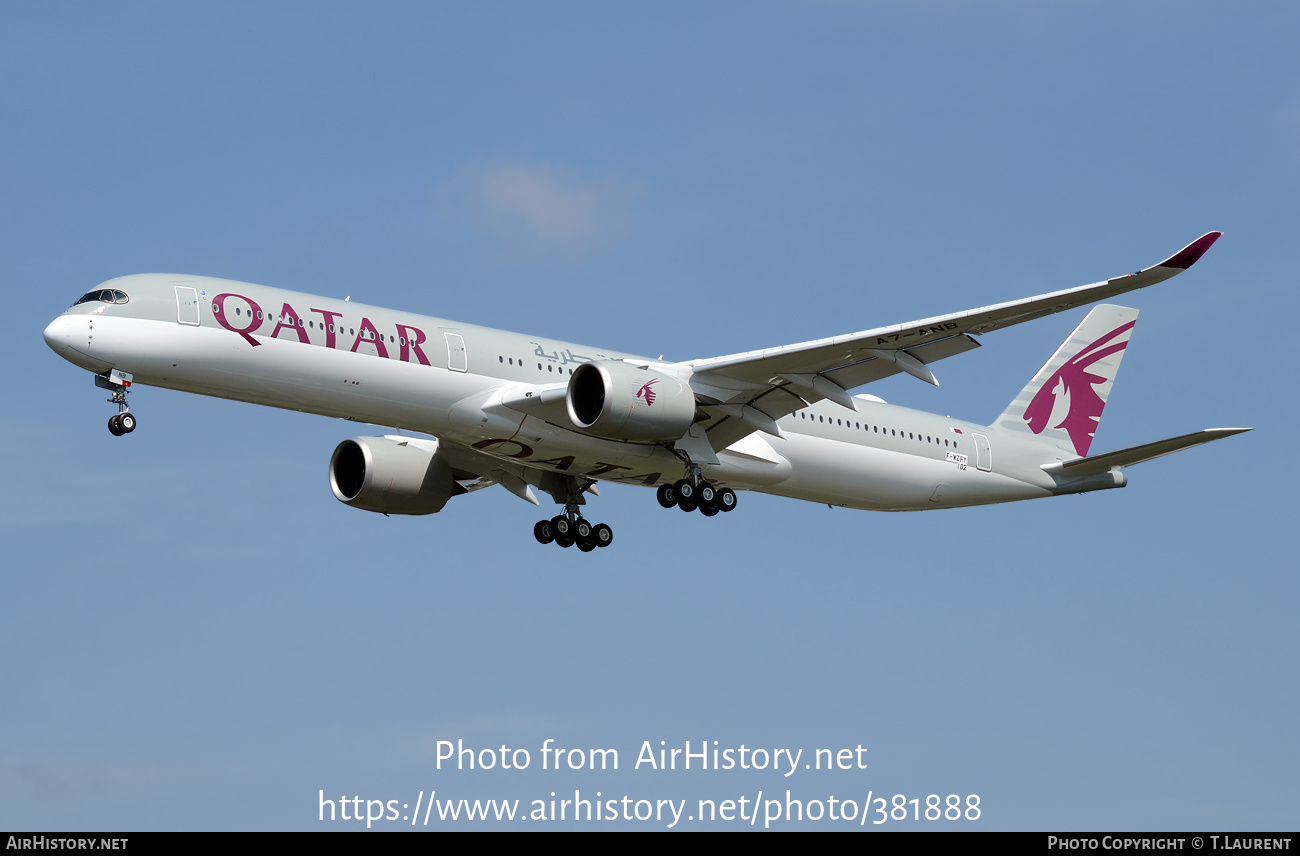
[103, 296]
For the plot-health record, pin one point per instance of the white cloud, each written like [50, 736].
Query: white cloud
[547, 208]
[48, 782]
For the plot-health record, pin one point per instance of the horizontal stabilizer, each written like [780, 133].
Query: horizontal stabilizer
[1137, 454]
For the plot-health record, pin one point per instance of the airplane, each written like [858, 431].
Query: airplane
[533, 414]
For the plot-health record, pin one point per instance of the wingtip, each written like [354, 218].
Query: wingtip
[1220, 433]
[1188, 255]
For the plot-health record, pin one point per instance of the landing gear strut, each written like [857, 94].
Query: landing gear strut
[118, 383]
[571, 528]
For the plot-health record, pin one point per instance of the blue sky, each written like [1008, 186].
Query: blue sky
[194, 634]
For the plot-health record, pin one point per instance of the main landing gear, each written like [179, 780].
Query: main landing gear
[118, 383]
[567, 531]
[694, 492]
[570, 528]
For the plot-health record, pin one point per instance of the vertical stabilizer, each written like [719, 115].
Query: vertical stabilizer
[1063, 402]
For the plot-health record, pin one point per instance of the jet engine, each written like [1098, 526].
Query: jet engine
[622, 401]
[392, 475]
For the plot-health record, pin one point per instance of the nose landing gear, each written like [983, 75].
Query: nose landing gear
[118, 383]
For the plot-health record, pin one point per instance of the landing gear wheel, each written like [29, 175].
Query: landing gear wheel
[561, 527]
[586, 546]
[126, 422]
[686, 506]
[564, 540]
[582, 531]
[666, 495]
[685, 491]
[115, 425]
[726, 500]
[602, 535]
[708, 510]
[708, 494]
[542, 532]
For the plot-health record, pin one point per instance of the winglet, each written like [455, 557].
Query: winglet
[1188, 255]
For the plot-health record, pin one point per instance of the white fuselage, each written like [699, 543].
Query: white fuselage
[336, 358]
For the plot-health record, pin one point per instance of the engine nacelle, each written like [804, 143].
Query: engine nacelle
[623, 402]
[392, 475]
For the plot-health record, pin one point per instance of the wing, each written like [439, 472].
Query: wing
[746, 392]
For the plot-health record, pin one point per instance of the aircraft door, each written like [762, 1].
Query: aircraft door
[187, 305]
[457, 360]
[983, 454]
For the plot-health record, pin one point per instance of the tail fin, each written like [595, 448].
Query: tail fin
[1063, 402]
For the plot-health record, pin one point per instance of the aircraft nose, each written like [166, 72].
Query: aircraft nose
[56, 334]
[69, 337]
[64, 333]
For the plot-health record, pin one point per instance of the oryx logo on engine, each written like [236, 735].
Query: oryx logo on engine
[646, 392]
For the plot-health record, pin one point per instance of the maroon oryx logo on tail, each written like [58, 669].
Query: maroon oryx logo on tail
[646, 392]
[1068, 397]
